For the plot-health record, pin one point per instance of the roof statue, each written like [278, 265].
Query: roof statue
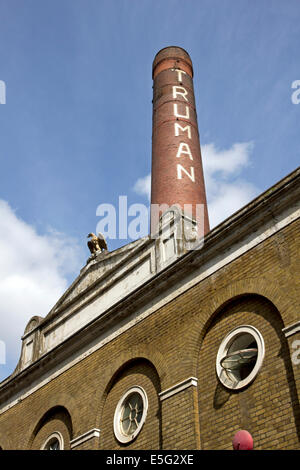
[96, 243]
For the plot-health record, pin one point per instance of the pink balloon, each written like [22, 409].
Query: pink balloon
[242, 441]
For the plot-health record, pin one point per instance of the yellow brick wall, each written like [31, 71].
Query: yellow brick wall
[170, 346]
[180, 427]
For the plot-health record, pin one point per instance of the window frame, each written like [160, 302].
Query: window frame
[223, 349]
[55, 435]
[120, 436]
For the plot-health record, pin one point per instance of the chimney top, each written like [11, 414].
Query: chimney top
[174, 55]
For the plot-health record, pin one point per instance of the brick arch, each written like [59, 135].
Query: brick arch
[222, 299]
[285, 307]
[127, 373]
[212, 317]
[256, 286]
[239, 409]
[141, 352]
[240, 297]
[62, 402]
[117, 368]
[123, 367]
[58, 419]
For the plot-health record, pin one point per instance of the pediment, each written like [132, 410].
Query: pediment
[99, 267]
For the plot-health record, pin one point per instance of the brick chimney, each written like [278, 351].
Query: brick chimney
[177, 174]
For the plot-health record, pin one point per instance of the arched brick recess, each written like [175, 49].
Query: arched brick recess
[56, 419]
[135, 372]
[205, 310]
[106, 376]
[268, 407]
[259, 285]
[56, 400]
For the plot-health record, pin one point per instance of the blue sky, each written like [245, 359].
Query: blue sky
[76, 126]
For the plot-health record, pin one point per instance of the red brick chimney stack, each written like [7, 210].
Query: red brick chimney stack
[177, 174]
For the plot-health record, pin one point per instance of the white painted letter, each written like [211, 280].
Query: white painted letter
[183, 129]
[179, 74]
[187, 112]
[176, 91]
[139, 226]
[184, 148]
[179, 173]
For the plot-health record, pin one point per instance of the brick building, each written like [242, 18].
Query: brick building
[160, 345]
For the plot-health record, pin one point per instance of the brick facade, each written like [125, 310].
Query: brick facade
[178, 341]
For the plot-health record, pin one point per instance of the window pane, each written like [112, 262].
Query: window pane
[132, 414]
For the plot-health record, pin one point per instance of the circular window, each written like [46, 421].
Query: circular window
[130, 414]
[240, 357]
[54, 442]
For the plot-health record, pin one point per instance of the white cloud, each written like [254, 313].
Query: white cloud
[229, 198]
[143, 186]
[226, 162]
[33, 274]
[226, 189]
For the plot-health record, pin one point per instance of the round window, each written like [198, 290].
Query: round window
[130, 414]
[54, 442]
[240, 357]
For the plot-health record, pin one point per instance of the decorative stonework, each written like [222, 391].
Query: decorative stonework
[291, 329]
[179, 387]
[96, 243]
[91, 434]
